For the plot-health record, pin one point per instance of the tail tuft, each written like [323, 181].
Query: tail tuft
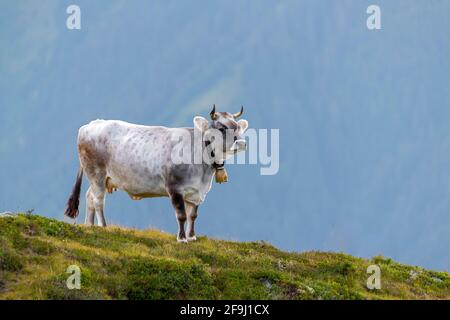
[74, 200]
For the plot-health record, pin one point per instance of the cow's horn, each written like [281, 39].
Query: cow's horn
[237, 115]
[213, 113]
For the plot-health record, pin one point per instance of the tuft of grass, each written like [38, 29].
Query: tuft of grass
[120, 263]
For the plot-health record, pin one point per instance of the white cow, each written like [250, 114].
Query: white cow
[140, 161]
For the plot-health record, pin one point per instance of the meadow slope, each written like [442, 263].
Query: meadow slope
[119, 263]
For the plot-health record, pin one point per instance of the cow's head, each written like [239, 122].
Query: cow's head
[224, 125]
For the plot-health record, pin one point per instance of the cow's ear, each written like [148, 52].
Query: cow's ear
[243, 126]
[201, 124]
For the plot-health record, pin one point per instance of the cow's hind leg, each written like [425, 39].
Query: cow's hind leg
[191, 211]
[90, 209]
[99, 205]
[97, 178]
[180, 211]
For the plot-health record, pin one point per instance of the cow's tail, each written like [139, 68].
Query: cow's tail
[74, 200]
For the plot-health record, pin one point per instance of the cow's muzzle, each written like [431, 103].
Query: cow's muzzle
[239, 145]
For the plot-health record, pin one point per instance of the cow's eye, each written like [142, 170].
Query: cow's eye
[235, 138]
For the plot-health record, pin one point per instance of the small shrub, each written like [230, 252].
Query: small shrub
[166, 279]
[10, 261]
[382, 260]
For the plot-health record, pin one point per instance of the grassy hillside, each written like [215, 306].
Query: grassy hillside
[119, 263]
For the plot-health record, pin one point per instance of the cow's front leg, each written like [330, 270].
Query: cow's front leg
[180, 211]
[191, 211]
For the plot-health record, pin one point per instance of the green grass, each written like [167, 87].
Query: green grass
[119, 263]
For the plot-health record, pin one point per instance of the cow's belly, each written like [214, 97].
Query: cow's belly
[154, 187]
[138, 185]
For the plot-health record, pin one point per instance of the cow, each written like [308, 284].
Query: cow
[116, 155]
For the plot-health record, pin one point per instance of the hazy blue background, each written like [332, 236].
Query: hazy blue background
[364, 116]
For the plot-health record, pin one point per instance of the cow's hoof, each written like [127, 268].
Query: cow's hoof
[193, 238]
[184, 240]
